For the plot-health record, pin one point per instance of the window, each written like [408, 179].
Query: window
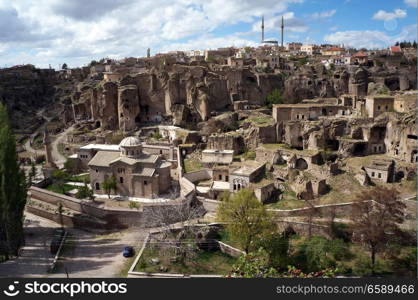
[235, 187]
[161, 151]
[386, 107]
[239, 186]
[378, 107]
[372, 174]
[121, 179]
[145, 182]
[97, 186]
[220, 177]
[97, 170]
[379, 175]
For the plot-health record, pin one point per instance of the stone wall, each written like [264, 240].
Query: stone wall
[303, 228]
[67, 221]
[340, 209]
[111, 218]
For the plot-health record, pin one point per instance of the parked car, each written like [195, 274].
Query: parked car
[128, 251]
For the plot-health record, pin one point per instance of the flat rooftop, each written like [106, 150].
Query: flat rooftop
[104, 147]
[383, 165]
[247, 168]
[218, 151]
[304, 105]
[220, 186]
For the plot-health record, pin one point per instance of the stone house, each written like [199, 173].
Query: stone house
[264, 191]
[138, 174]
[306, 111]
[359, 58]
[377, 105]
[215, 156]
[381, 170]
[235, 62]
[248, 173]
[220, 173]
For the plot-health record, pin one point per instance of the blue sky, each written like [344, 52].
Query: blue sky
[51, 32]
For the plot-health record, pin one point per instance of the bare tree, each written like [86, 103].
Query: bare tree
[310, 212]
[376, 215]
[177, 223]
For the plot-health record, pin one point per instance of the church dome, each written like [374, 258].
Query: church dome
[130, 141]
[131, 147]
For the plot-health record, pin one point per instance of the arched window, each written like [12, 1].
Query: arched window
[97, 186]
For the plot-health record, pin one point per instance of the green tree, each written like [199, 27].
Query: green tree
[109, 184]
[12, 191]
[60, 177]
[275, 97]
[246, 219]
[64, 66]
[85, 192]
[254, 265]
[70, 166]
[276, 246]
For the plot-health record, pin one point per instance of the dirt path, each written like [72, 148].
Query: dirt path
[58, 158]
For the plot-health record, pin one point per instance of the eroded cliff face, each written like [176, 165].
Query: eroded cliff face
[183, 94]
[315, 81]
[26, 90]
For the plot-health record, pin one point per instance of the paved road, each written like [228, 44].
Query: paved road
[35, 256]
[98, 255]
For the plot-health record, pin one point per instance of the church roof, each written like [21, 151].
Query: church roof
[146, 172]
[103, 158]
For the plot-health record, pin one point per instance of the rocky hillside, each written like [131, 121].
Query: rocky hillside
[26, 90]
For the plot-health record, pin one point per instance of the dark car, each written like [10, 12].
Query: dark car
[128, 251]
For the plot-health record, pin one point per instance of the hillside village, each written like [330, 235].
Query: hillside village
[304, 127]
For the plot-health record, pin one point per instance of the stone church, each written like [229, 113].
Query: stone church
[137, 173]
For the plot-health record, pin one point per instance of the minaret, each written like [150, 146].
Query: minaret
[282, 30]
[262, 29]
[148, 52]
[49, 163]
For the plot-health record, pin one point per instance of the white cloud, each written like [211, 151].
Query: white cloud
[371, 38]
[323, 15]
[412, 3]
[387, 16]
[77, 31]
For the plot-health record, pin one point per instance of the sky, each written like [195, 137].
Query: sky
[52, 32]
